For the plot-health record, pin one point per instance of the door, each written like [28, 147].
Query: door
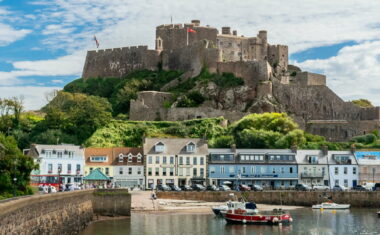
[354, 183]
[272, 184]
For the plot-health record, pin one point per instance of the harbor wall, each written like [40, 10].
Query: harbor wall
[295, 198]
[60, 213]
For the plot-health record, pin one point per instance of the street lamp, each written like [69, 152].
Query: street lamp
[59, 177]
[373, 174]
[14, 187]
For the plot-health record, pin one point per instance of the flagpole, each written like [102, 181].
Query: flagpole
[187, 36]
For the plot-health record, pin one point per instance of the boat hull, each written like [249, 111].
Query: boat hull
[339, 207]
[257, 219]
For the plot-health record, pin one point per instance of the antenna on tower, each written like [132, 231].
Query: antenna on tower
[171, 19]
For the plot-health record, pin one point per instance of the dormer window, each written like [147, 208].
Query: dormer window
[98, 159]
[121, 157]
[313, 159]
[139, 157]
[159, 147]
[342, 158]
[190, 147]
[129, 157]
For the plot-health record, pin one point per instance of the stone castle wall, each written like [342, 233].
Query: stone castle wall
[119, 62]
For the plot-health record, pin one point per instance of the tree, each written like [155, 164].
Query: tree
[14, 165]
[10, 113]
[364, 103]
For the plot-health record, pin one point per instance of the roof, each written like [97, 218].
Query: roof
[255, 151]
[126, 151]
[301, 156]
[89, 152]
[368, 158]
[96, 175]
[332, 161]
[36, 149]
[175, 145]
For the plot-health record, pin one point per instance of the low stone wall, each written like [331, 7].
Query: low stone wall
[355, 199]
[60, 213]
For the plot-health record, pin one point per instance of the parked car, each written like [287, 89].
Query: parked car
[186, 188]
[212, 188]
[302, 187]
[224, 188]
[175, 188]
[243, 187]
[339, 188]
[376, 187]
[163, 187]
[320, 187]
[359, 188]
[199, 187]
[256, 187]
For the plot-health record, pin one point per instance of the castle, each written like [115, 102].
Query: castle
[270, 83]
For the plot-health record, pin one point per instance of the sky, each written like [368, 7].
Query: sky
[43, 43]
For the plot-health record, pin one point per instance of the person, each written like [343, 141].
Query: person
[49, 188]
[153, 195]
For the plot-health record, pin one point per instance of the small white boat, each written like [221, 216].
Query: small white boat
[250, 207]
[331, 205]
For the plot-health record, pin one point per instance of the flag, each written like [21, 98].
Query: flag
[96, 41]
[189, 30]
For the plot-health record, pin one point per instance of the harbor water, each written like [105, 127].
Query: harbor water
[306, 221]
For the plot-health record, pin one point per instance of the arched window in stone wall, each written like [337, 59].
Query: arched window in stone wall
[159, 44]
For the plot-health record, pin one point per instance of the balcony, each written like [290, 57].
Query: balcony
[311, 175]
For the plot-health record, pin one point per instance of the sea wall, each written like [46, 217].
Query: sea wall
[60, 213]
[295, 198]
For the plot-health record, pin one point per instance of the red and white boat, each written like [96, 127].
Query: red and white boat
[240, 216]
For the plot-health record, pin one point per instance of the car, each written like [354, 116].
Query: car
[175, 188]
[359, 188]
[339, 188]
[163, 187]
[243, 187]
[212, 188]
[256, 187]
[199, 187]
[302, 187]
[376, 187]
[186, 188]
[320, 187]
[224, 188]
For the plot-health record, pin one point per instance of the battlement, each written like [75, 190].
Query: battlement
[119, 49]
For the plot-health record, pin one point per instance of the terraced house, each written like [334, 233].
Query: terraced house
[270, 168]
[369, 166]
[128, 167]
[343, 168]
[101, 158]
[175, 161]
[313, 167]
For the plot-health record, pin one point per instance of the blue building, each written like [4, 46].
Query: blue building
[268, 168]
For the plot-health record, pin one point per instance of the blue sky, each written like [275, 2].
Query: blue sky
[43, 43]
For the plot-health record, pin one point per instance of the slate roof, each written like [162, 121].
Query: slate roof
[175, 145]
[301, 157]
[36, 149]
[96, 175]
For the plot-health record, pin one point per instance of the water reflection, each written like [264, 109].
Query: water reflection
[306, 221]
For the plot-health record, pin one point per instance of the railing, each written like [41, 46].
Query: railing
[311, 175]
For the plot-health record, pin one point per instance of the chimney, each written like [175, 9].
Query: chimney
[294, 148]
[196, 22]
[325, 150]
[234, 33]
[226, 30]
[233, 148]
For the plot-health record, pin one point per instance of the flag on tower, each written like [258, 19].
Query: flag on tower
[96, 41]
[189, 30]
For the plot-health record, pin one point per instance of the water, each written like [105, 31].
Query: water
[306, 221]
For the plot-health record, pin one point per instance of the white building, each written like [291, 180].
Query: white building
[313, 167]
[175, 161]
[57, 161]
[343, 169]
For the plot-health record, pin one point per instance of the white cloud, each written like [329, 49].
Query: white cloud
[9, 34]
[34, 97]
[353, 73]
[57, 81]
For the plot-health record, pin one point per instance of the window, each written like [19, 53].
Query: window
[187, 160]
[273, 170]
[345, 183]
[190, 147]
[180, 160]
[202, 161]
[71, 154]
[232, 169]
[59, 154]
[68, 168]
[59, 167]
[282, 170]
[194, 160]
[242, 157]
[129, 170]
[50, 168]
[336, 182]
[290, 169]
[171, 171]
[336, 170]
[149, 171]
[243, 170]
[159, 147]
[180, 171]
[157, 171]
[139, 171]
[187, 171]
[222, 169]
[150, 160]
[262, 169]
[157, 159]
[78, 169]
[313, 159]
[354, 170]
[253, 170]
[194, 172]
[120, 170]
[139, 157]
[202, 173]
[212, 170]
[172, 160]
[345, 170]
[164, 171]
[107, 171]
[164, 160]
[121, 158]
[48, 154]
[98, 159]
[91, 169]
[130, 158]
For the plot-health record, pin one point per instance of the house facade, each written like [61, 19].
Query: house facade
[343, 169]
[57, 164]
[128, 167]
[175, 161]
[369, 166]
[313, 167]
[267, 168]
[101, 158]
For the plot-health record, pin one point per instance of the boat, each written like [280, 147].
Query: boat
[250, 207]
[331, 205]
[378, 214]
[278, 216]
